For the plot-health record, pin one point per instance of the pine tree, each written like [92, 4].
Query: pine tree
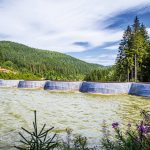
[145, 70]
[136, 25]
[122, 63]
[139, 46]
[133, 52]
[136, 29]
[144, 32]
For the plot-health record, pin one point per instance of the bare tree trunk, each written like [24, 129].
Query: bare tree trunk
[128, 75]
[135, 63]
[132, 74]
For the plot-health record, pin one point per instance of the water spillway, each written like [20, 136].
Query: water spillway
[140, 89]
[31, 84]
[105, 88]
[62, 86]
[9, 83]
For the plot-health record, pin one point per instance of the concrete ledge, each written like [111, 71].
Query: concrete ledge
[140, 89]
[62, 86]
[31, 84]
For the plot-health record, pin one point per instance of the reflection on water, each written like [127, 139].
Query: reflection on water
[84, 113]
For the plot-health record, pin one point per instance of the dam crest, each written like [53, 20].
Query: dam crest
[139, 89]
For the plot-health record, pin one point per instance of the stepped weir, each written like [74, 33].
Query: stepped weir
[139, 89]
[31, 84]
[63, 86]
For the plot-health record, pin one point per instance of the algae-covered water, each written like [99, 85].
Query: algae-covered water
[84, 113]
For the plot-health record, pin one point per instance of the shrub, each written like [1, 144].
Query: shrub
[37, 140]
[131, 139]
[138, 139]
[43, 141]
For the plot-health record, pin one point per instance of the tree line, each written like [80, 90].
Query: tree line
[31, 63]
[133, 59]
[105, 74]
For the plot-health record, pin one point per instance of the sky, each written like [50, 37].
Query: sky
[86, 29]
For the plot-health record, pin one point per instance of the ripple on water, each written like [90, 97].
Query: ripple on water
[84, 113]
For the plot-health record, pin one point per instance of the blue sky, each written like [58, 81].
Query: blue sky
[86, 29]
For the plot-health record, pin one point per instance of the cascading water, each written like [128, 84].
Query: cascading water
[105, 88]
[140, 89]
[9, 83]
[63, 86]
[31, 84]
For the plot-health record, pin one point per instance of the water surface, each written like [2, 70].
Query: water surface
[84, 113]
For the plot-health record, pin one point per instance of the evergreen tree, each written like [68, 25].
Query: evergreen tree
[144, 32]
[146, 66]
[136, 25]
[133, 52]
[136, 29]
[122, 61]
[29, 63]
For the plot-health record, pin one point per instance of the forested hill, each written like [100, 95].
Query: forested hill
[22, 62]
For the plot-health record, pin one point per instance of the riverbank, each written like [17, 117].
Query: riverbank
[139, 89]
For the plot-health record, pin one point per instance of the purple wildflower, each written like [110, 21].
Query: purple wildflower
[115, 125]
[143, 128]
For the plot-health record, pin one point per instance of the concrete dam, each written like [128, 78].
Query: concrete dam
[139, 89]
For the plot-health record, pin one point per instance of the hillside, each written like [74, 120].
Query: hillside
[31, 63]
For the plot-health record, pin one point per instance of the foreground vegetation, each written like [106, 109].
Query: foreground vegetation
[134, 138]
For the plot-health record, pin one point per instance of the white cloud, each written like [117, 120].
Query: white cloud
[102, 59]
[112, 47]
[57, 24]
